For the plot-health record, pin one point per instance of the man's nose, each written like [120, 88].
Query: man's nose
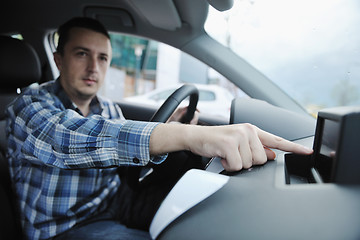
[93, 64]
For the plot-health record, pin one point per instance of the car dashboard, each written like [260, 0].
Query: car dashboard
[288, 198]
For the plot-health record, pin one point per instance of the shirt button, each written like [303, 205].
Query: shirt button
[136, 160]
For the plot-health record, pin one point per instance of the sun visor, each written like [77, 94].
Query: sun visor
[110, 17]
[160, 13]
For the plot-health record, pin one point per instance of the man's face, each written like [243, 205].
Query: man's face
[83, 66]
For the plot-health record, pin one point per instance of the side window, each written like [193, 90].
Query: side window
[147, 72]
[18, 36]
[206, 96]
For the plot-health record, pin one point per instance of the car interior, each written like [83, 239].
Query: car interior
[283, 199]
[14, 53]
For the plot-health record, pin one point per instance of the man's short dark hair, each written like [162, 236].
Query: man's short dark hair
[81, 22]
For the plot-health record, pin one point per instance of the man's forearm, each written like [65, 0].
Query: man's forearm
[167, 138]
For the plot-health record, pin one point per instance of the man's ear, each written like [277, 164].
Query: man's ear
[58, 60]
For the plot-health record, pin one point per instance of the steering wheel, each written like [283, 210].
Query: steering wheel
[173, 101]
[132, 174]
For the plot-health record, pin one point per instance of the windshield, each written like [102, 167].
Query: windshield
[308, 48]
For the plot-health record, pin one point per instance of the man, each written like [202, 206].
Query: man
[66, 143]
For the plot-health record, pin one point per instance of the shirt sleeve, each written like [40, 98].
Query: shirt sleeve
[60, 137]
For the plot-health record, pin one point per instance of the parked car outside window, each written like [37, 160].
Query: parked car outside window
[213, 99]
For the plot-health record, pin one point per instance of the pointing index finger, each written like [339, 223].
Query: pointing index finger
[273, 141]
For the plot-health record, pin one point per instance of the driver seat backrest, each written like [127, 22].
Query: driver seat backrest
[19, 67]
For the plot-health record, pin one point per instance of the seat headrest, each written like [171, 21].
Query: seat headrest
[19, 64]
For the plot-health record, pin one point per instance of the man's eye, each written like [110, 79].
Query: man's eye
[104, 59]
[82, 54]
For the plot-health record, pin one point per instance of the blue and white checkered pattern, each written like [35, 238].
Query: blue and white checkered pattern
[63, 164]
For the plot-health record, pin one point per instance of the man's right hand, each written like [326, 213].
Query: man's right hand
[239, 146]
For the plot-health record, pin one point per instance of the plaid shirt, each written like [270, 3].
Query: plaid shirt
[47, 136]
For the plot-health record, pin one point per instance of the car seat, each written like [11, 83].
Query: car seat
[19, 67]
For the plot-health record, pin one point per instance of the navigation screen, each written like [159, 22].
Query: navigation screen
[330, 138]
[324, 161]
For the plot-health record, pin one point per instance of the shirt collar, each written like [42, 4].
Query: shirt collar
[96, 106]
